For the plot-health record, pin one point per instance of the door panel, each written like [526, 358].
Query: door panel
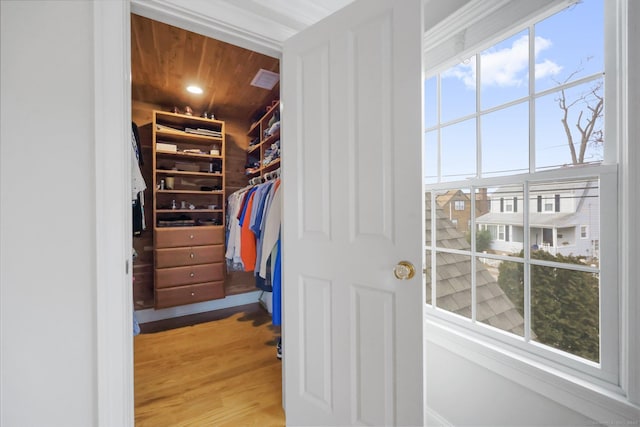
[352, 332]
[370, 117]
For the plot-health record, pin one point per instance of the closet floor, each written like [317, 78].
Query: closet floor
[219, 373]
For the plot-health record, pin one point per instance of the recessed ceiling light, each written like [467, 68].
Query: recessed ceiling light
[194, 89]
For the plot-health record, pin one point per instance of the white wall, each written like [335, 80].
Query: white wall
[47, 244]
[466, 394]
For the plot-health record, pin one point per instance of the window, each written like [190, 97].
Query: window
[459, 205]
[584, 231]
[509, 206]
[549, 206]
[523, 118]
[501, 232]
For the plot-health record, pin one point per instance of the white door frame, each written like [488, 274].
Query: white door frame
[112, 124]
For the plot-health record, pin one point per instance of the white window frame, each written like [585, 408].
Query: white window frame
[548, 206]
[623, 390]
[508, 205]
[456, 205]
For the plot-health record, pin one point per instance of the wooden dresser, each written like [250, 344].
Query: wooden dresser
[189, 265]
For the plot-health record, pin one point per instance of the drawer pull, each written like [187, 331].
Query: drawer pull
[191, 236]
[192, 274]
[193, 294]
[192, 255]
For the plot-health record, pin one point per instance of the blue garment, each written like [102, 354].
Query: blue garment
[276, 284]
[136, 325]
[256, 220]
[244, 206]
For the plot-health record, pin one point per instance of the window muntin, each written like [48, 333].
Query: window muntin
[536, 140]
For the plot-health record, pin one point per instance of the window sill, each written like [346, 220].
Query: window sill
[607, 405]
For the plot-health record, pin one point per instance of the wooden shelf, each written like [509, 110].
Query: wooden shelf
[187, 173]
[199, 227]
[257, 151]
[192, 137]
[187, 155]
[189, 192]
[271, 139]
[188, 211]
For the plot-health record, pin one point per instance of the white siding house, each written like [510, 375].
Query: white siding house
[562, 219]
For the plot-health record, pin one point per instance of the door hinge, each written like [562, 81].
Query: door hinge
[126, 267]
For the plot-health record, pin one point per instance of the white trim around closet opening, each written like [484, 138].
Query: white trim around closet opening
[112, 150]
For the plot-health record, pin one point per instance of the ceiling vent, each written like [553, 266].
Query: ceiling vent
[265, 79]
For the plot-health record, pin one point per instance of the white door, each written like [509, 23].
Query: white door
[352, 132]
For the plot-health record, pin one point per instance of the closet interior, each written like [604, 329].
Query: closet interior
[195, 152]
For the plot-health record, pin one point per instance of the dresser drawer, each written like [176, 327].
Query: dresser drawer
[175, 276]
[189, 294]
[176, 257]
[188, 236]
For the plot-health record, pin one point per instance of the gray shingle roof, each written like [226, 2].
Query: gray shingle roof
[453, 275]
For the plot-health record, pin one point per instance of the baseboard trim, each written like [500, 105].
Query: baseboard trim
[152, 315]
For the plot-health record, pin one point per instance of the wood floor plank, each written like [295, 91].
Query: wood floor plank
[219, 373]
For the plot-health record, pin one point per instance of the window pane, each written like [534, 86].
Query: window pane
[452, 227]
[427, 277]
[565, 308]
[427, 218]
[504, 71]
[505, 141]
[567, 206]
[430, 102]
[458, 144]
[500, 220]
[453, 288]
[458, 90]
[570, 45]
[500, 294]
[430, 157]
[578, 112]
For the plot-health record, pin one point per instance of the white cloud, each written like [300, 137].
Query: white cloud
[547, 68]
[506, 67]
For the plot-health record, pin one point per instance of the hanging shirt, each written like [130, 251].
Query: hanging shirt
[271, 229]
[276, 284]
[137, 181]
[247, 238]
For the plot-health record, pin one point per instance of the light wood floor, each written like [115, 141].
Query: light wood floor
[219, 373]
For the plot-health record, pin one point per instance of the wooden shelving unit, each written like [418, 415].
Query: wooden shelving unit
[264, 133]
[188, 208]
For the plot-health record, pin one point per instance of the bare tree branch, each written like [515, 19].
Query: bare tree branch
[587, 132]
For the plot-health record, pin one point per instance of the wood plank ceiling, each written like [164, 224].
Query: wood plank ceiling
[166, 59]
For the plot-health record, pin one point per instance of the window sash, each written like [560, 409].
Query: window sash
[607, 369]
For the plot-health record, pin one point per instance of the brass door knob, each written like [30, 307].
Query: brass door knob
[404, 270]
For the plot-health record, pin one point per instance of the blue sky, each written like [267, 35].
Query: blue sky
[568, 46]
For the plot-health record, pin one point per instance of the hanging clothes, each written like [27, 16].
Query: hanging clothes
[138, 184]
[248, 210]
